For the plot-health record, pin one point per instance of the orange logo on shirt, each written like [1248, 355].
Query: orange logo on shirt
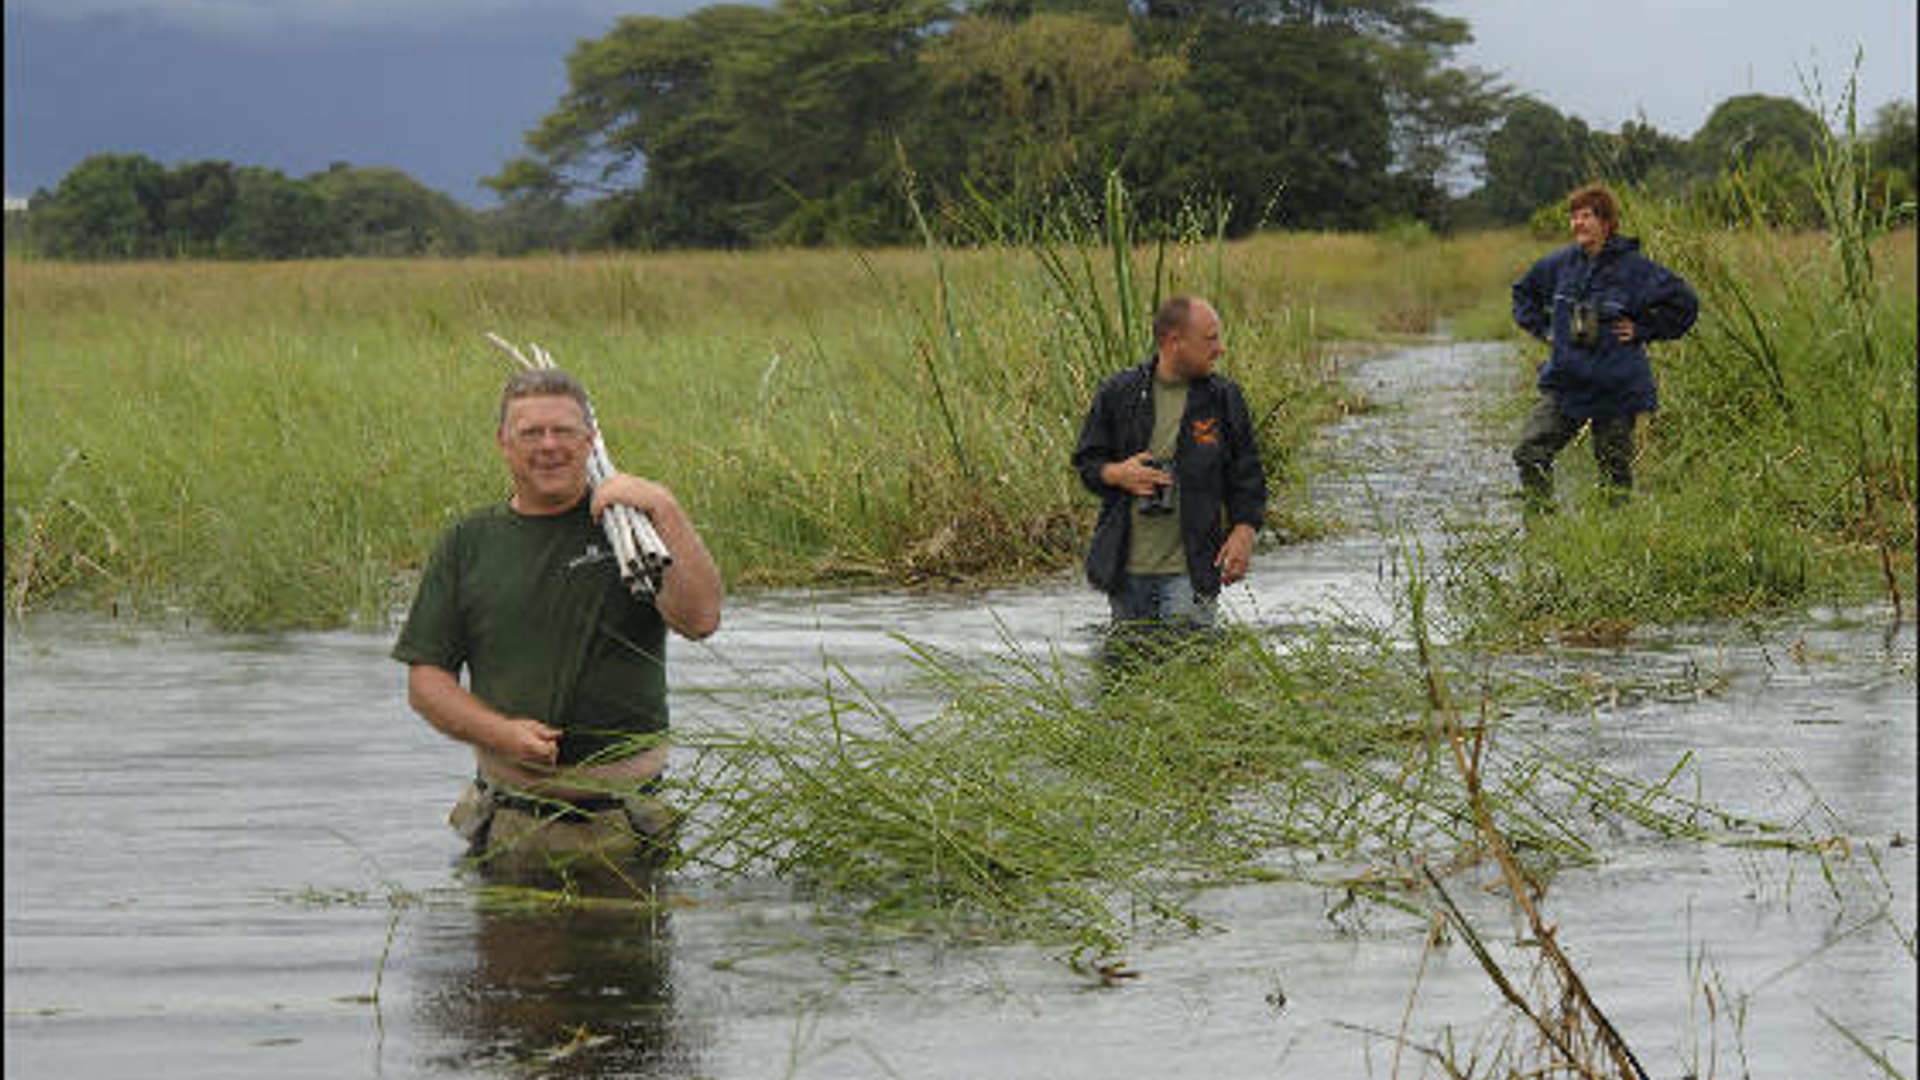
[1206, 432]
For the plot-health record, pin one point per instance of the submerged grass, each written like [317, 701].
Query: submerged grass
[1081, 807]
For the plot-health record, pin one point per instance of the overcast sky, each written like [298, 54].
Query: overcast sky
[445, 89]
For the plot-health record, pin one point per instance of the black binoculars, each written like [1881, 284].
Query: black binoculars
[1161, 500]
[1588, 321]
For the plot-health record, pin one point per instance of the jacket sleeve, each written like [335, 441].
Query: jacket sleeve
[1668, 305]
[1246, 478]
[1533, 301]
[1095, 448]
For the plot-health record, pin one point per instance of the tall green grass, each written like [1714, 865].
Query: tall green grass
[278, 445]
[1780, 470]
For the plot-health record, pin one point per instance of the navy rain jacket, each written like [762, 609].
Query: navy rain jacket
[1613, 378]
[1216, 464]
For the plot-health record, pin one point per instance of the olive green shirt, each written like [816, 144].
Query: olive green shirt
[1155, 547]
[533, 607]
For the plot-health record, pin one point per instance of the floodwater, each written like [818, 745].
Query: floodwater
[225, 857]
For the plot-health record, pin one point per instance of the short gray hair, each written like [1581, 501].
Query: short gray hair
[1172, 316]
[543, 382]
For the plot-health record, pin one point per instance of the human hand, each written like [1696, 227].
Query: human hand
[1623, 330]
[529, 741]
[1134, 476]
[1235, 554]
[643, 495]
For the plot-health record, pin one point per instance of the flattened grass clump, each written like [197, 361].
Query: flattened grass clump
[1082, 807]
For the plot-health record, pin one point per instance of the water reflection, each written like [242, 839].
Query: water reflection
[579, 990]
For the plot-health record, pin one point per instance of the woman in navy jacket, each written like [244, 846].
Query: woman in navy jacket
[1597, 302]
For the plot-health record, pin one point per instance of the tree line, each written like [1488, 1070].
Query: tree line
[869, 121]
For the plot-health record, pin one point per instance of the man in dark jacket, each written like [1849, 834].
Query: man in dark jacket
[1169, 448]
[1597, 302]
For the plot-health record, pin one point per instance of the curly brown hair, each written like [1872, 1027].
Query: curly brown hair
[1597, 198]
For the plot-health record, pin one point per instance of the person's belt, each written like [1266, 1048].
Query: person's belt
[579, 809]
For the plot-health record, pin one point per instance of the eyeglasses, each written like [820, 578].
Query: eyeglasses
[565, 433]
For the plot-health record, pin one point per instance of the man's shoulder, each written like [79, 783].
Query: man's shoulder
[474, 523]
[484, 516]
[1128, 378]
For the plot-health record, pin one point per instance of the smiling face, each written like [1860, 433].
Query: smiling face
[545, 441]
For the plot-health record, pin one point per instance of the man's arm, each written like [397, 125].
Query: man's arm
[1094, 451]
[689, 597]
[436, 694]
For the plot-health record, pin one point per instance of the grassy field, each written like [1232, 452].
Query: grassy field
[273, 445]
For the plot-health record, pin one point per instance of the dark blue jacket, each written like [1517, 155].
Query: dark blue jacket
[1217, 466]
[1613, 378]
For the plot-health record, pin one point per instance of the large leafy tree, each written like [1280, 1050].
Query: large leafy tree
[1026, 109]
[1287, 124]
[741, 124]
[378, 211]
[1533, 159]
[110, 206]
[197, 200]
[1749, 126]
[276, 217]
[1893, 139]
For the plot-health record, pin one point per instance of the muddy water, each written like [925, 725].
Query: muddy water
[219, 848]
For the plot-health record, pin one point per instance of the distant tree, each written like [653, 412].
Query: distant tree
[1640, 154]
[743, 118]
[1287, 124]
[1030, 108]
[275, 217]
[739, 124]
[1894, 155]
[1534, 158]
[379, 211]
[1893, 139]
[1743, 128]
[110, 206]
[196, 201]
[533, 224]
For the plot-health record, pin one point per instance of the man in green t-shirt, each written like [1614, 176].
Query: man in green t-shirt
[566, 668]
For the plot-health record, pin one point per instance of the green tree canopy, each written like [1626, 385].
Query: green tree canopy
[1747, 126]
[379, 211]
[1534, 158]
[110, 206]
[1028, 108]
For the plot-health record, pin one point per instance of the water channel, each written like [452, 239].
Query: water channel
[225, 855]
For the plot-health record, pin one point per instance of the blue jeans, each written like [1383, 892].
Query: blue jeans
[1164, 598]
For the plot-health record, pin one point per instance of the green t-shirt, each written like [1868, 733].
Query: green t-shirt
[533, 607]
[1155, 546]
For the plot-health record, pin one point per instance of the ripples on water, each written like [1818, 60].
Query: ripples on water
[209, 840]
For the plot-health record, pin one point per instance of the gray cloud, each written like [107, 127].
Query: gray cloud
[264, 18]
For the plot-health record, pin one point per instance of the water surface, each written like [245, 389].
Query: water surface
[217, 846]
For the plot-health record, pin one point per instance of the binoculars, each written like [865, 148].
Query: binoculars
[1588, 321]
[1161, 501]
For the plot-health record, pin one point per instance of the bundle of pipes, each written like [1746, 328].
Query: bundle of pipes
[643, 557]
